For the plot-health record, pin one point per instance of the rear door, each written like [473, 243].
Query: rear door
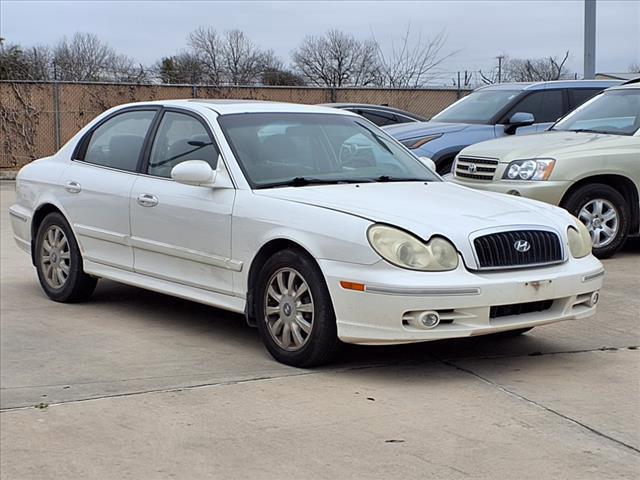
[98, 185]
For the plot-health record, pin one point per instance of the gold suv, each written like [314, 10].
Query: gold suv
[587, 163]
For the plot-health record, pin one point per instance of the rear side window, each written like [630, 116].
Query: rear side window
[545, 106]
[180, 138]
[118, 141]
[378, 117]
[578, 96]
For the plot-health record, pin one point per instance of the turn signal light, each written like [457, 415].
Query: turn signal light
[359, 287]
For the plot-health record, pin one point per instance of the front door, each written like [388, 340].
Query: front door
[182, 233]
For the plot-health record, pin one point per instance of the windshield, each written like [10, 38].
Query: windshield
[614, 112]
[477, 107]
[299, 149]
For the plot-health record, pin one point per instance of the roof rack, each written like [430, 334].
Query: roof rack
[633, 80]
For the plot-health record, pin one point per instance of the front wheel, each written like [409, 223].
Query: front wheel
[605, 213]
[59, 262]
[294, 311]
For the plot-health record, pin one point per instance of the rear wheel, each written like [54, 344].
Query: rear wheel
[605, 213]
[294, 311]
[59, 262]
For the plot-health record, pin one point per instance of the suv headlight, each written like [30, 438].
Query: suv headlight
[414, 143]
[406, 251]
[534, 169]
[579, 240]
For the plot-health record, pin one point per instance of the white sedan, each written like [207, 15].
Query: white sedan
[311, 221]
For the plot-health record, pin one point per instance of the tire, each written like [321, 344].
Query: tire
[583, 204]
[306, 314]
[55, 250]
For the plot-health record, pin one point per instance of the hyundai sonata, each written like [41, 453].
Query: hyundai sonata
[311, 221]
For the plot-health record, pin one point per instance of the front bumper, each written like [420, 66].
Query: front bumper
[389, 310]
[547, 191]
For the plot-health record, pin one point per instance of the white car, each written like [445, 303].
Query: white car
[311, 221]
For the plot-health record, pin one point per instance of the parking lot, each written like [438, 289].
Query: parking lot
[136, 384]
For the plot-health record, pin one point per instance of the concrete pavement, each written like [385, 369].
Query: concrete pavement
[135, 384]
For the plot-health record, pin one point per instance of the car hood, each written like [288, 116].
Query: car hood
[547, 144]
[405, 131]
[427, 209]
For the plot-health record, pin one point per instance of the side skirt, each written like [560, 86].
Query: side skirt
[219, 300]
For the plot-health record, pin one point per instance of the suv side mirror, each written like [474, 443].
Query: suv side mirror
[518, 119]
[194, 172]
[427, 162]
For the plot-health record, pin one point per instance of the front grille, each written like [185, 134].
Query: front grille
[519, 308]
[476, 168]
[498, 250]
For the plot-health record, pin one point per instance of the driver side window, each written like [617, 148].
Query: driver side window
[180, 137]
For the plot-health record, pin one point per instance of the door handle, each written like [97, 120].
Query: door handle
[147, 200]
[73, 187]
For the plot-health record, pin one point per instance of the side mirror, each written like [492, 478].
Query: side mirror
[194, 172]
[519, 119]
[427, 162]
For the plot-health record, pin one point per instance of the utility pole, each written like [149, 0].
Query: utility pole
[589, 39]
[500, 57]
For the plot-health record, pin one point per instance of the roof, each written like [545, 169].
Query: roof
[552, 84]
[229, 106]
[632, 84]
[372, 106]
[618, 75]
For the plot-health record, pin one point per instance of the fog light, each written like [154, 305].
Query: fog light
[429, 319]
[513, 192]
[595, 296]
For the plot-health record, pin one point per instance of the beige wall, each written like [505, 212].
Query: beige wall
[28, 120]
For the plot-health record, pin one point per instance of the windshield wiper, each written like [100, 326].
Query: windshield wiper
[387, 178]
[304, 181]
[587, 130]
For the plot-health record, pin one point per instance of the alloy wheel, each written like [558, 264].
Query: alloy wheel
[601, 218]
[289, 309]
[55, 257]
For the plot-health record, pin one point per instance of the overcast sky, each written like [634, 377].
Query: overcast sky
[480, 30]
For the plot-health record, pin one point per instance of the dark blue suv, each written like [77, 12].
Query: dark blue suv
[491, 112]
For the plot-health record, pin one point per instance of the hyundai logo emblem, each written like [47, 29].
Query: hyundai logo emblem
[522, 246]
[472, 168]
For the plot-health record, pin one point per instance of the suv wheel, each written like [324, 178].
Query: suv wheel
[605, 213]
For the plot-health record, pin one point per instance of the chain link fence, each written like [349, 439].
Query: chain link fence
[37, 118]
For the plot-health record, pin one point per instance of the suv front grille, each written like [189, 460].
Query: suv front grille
[476, 168]
[500, 250]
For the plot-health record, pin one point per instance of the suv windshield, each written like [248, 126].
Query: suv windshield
[615, 112]
[299, 149]
[477, 107]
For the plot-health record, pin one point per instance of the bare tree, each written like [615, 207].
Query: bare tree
[244, 62]
[537, 69]
[413, 62]
[86, 58]
[207, 47]
[337, 59]
[526, 70]
[634, 68]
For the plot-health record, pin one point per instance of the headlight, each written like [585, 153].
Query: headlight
[579, 240]
[414, 143]
[538, 169]
[406, 251]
